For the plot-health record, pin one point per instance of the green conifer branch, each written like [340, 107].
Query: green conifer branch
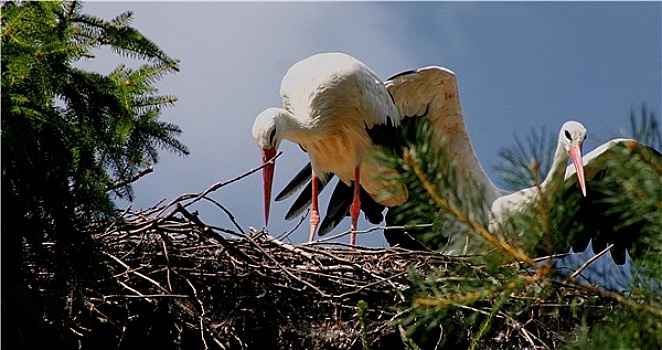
[409, 158]
[361, 310]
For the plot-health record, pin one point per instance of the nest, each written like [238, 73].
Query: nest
[183, 284]
[187, 285]
[200, 286]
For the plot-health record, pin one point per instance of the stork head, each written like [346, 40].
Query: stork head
[267, 131]
[572, 137]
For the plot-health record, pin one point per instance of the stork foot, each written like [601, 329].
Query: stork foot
[314, 212]
[355, 208]
[314, 221]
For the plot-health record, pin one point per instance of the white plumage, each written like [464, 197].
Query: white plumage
[569, 145]
[332, 100]
[435, 89]
[331, 107]
[329, 101]
[432, 92]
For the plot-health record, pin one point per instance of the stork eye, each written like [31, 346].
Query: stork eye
[585, 136]
[567, 135]
[272, 136]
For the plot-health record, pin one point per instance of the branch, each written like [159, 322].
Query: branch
[409, 158]
[123, 182]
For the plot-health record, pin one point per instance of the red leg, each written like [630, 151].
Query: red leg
[355, 208]
[314, 213]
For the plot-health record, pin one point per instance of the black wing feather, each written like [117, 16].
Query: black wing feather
[304, 200]
[341, 200]
[297, 181]
[403, 74]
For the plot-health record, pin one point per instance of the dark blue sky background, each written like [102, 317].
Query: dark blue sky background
[520, 66]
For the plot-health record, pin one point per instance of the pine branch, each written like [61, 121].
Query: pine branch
[443, 204]
[134, 178]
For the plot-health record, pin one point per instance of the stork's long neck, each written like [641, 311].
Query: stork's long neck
[293, 127]
[556, 173]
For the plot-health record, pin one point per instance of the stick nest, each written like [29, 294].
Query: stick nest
[183, 284]
[211, 290]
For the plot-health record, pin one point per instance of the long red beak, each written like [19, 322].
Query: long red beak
[575, 153]
[268, 176]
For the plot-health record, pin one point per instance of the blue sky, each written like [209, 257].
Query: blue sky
[520, 66]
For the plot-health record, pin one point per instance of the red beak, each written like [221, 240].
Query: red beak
[268, 176]
[575, 153]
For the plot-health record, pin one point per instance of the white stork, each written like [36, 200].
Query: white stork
[570, 141]
[329, 101]
[432, 93]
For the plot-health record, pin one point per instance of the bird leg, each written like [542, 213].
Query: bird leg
[314, 213]
[355, 208]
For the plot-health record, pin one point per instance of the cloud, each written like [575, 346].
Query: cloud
[520, 66]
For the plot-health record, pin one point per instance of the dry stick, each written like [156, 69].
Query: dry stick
[371, 229]
[523, 330]
[197, 196]
[282, 268]
[329, 238]
[476, 227]
[108, 319]
[339, 235]
[131, 289]
[332, 268]
[109, 229]
[131, 179]
[358, 288]
[653, 308]
[334, 253]
[341, 264]
[143, 296]
[290, 248]
[298, 224]
[528, 337]
[214, 228]
[471, 296]
[146, 222]
[231, 249]
[553, 256]
[589, 262]
[152, 281]
[161, 225]
[165, 252]
[349, 266]
[355, 266]
[227, 212]
[200, 315]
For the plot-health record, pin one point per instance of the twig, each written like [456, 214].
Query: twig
[197, 196]
[590, 261]
[134, 178]
[442, 203]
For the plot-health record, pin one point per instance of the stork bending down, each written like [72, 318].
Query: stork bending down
[432, 93]
[329, 101]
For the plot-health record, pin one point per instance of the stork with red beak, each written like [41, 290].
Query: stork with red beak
[429, 92]
[330, 100]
